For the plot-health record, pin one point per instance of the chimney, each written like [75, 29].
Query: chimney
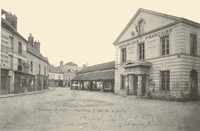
[37, 45]
[12, 19]
[61, 63]
[30, 39]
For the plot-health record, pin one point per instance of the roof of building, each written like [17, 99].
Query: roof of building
[35, 52]
[104, 71]
[30, 48]
[99, 67]
[178, 19]
[102, 75]
[12, 28]
[53, 69]
[71, 64]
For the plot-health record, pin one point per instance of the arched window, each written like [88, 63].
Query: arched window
[141, 26]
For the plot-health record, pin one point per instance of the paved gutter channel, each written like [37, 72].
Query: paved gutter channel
[24, 94]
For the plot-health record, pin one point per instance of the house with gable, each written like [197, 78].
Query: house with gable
[158, 54]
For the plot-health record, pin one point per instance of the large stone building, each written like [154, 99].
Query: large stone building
[70, 69]
[23, 68]
[158, 54]
[55, 77]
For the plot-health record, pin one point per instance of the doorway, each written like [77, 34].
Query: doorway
[193, 84]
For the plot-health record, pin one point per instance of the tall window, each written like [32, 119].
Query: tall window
[39, 69]
[165, 45]
[141, 26]
[123, 55]
[165, 80]
[193, 44]
[45, 71]
[141, 51]
[19, 47]
[19, 65]
[122, 81]
[31, 67]
[11, 42]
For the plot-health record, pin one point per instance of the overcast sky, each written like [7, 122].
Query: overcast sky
[83, 31]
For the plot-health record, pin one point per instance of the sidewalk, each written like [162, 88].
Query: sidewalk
[23, 94]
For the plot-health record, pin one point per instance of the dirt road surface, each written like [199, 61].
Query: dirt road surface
[71, 110]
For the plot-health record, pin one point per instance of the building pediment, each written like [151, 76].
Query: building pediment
[151, 20]
[131, 63]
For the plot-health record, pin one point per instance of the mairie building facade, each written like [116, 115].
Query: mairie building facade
[158, 54]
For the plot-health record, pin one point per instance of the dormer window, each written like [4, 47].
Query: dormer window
[141, 26]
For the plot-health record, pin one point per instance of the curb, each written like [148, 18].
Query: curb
[24, 94]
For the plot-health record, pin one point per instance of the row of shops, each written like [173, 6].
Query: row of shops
[22, 82]
[23, 67]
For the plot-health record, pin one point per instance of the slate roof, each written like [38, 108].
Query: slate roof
[30, 48]
[33, 51]
[104, 71]
[53, 69]
[10, 27]
[103, 75]
[99, 67]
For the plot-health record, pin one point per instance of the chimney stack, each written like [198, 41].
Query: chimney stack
[61, 63]
[37, 45]
[31, 39]
[12, 19]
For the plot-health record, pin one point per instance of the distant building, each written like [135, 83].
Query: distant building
[96, 77]
[56, 76]
[21, 64]
[70, 69]
[158, 54]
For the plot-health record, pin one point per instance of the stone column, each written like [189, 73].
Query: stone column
[147, 93]
[139, 85]
[131, 85]
[127, 84]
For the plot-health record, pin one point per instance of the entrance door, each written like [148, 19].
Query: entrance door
[194, 84]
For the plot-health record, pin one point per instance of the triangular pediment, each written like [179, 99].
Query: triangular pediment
[131, 63]
[152, 20]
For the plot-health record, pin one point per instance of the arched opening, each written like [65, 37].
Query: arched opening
[193, 84]
[141, 26]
